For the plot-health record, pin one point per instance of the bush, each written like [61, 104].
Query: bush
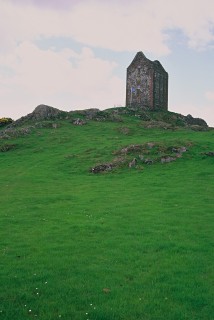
[5, 121]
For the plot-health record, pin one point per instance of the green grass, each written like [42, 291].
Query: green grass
[66, 234]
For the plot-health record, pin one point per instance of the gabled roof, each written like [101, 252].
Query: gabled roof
[140, 56]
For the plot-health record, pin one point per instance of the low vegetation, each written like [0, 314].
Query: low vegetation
[131, 243]
[5, 121]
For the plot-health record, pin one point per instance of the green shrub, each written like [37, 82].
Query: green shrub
[5, 121]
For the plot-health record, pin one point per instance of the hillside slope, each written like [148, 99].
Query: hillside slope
[131, 242]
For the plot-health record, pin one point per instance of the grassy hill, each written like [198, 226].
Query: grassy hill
[123, 244]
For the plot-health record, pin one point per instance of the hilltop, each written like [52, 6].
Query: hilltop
[165, 119]
[106, 215]
[133, 155]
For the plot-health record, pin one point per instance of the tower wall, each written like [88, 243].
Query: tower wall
[146, 84]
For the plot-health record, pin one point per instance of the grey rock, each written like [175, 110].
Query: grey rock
[79, 122]
[40, 113]
[133, 163]
[195, 121]
[167, 159]
[43, 112]
[102, 168]
[148, 161]
[179, 149]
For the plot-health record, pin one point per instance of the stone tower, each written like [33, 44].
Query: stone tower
[146, 84]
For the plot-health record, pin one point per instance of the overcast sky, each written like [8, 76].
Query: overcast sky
[73, 54]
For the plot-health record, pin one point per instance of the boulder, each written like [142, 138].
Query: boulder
[195, 121]
[148, 161]
[40, 113]
[79, 122]
[133, 163]
[179, 149]
[43, 112]
[102, 168]
[167, 159]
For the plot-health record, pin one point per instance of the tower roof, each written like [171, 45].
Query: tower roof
[139, 56]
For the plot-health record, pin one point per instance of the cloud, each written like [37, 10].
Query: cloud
[64, 79]
[194, 18]
[116, 25]
[96, 24]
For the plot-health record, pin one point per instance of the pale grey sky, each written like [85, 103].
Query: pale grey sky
[74, 54]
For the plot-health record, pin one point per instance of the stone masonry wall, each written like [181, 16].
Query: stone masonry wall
[147, 84]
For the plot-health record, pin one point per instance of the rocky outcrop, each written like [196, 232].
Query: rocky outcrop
[164, 119]
[10, 132]
[40, 113]
[44, 112]
[144, 154]
[195, 121]
[90, 114]
[150, 119]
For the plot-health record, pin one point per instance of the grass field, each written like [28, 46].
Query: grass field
[131, 244]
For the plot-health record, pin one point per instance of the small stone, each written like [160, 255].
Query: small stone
[79, 122]
[148, 161]
[133, 163]
[150, 145]
[102, 168]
